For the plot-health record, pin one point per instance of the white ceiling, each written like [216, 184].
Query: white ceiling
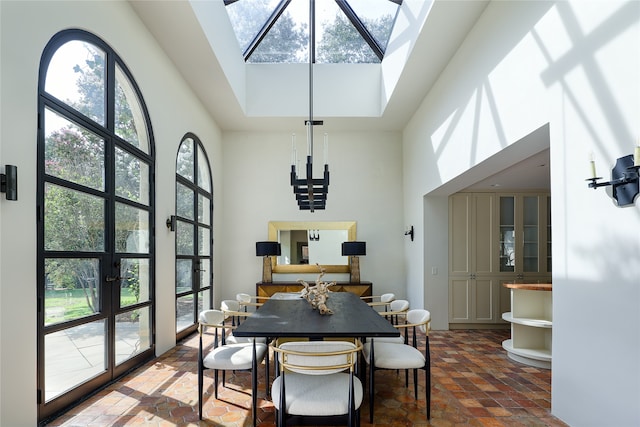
[446, 27]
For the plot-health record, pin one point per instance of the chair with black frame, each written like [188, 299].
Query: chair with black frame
[226, 356]
[379, 354]
[397, 310]
[317, 379]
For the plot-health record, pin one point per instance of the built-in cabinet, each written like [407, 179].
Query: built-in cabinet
[495, 238]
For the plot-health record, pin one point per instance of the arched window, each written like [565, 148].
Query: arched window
[95, 221]
[193, 224]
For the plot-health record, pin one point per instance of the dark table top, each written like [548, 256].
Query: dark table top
[351, 317]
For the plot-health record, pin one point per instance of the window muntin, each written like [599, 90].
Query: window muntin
[93, 297]
[337, 38]
[193, 234]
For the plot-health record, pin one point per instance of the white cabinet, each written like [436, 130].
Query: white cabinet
[473, 286]
[531, 321]
[495, 238]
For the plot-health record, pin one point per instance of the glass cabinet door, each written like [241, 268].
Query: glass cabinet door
[530, 234]
[507, 233]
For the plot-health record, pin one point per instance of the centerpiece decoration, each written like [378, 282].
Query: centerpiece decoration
[318, 294]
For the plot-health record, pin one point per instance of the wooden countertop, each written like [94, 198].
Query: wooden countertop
[529, 286]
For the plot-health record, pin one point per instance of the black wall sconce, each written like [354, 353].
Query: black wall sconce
[624, 178]
[409, 232]
[9, 182]
[267, 250]
[171, 223]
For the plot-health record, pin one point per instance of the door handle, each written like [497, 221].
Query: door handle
[116, 278]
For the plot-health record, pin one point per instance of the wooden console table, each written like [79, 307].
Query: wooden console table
[267, 289]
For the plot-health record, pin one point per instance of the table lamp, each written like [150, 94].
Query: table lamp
[353, 250]
[267, 250]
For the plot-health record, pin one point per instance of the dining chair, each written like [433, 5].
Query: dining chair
[317, 379]
[379, 300]
[379, 354]
[226, 356]
[397, 310]
[247, 300]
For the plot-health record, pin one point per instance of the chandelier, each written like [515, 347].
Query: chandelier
[311, 193]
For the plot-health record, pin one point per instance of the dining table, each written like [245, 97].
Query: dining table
[292, 316]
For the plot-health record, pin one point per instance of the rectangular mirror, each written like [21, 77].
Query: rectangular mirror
[305, 243]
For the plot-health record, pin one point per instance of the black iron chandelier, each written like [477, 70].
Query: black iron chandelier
[311, 193]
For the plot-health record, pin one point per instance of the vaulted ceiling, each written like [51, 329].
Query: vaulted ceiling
[198, 37]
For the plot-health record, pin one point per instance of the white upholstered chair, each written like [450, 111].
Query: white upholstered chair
[380, 300]
[379, 354]
[225, 356]
[317, 379]
[247, 301]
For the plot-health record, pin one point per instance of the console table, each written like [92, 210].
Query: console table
[267, 289]
[531, 321]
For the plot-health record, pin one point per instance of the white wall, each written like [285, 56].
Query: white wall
[25, 29]
[365, 175]
[575, 66]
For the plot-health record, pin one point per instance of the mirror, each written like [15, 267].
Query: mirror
[305, 243]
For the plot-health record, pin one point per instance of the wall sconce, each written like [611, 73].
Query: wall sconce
[9, 182]
[353, 250]
[624, 178]
[267, 250]
[314, 235]
[171, 223]
[409, 232]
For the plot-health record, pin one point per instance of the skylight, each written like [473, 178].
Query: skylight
[346, 31]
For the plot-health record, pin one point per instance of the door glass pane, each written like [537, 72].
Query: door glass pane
[72, 289]
[129, 117]
[133, 333]
[73, 356]
[203, 300]
[530, 224]
[184, 238]
[132, 229]
[135, 285]
[132, 177]
[73, 221]
[184, 275]
[73, 153]
[204, 210]
[507, 234]
[204, 180]
[184, 164]
[184, 201]
[184, 312]
[76, 75]
[204, 237]
[205, 273]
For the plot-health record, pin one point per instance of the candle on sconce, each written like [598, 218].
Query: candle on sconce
[294, 153]
[592, 165]
[636, 154]
[326, 148]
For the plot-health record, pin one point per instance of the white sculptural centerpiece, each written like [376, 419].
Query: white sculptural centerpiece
[318, 294]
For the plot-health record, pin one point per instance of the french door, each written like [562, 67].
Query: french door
[95, 221]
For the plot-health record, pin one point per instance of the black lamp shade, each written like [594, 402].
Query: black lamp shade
[354, 248]
[267, 248]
